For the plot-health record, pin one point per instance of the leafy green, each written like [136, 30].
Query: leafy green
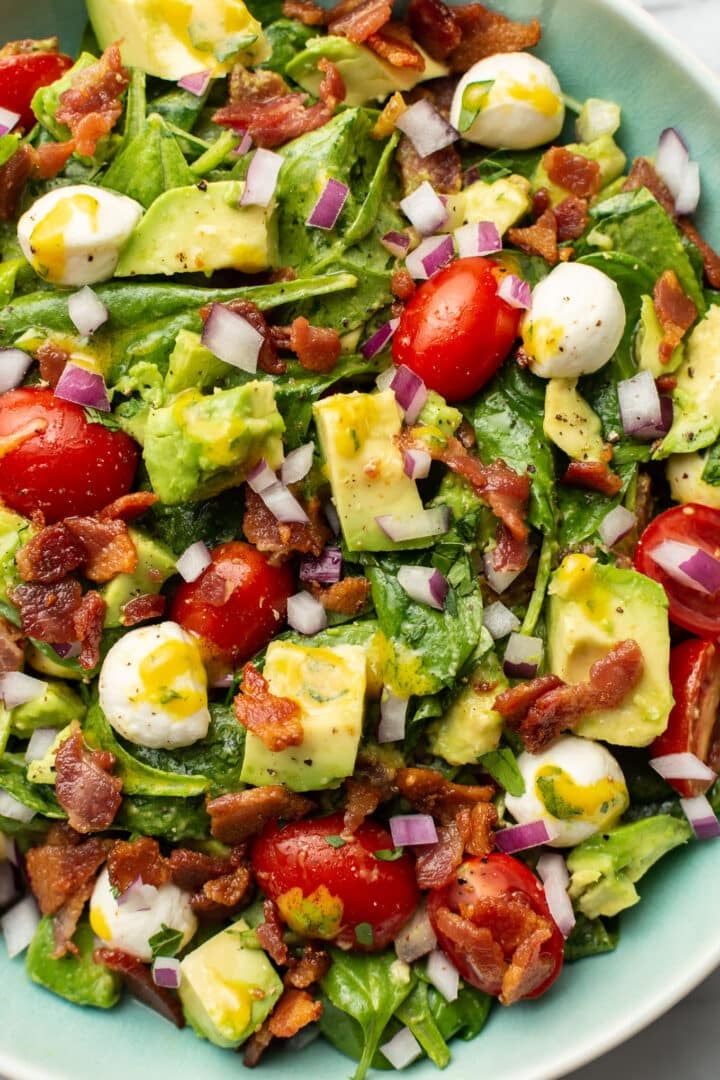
[464, 1017]
[166, 941]
[416, 1014]
[38, 797]
[590, 937]
[74, 976]
[213, 521]
[286, 38]
[711, 472]
[174, 819]
[149, 165]
[502, 766]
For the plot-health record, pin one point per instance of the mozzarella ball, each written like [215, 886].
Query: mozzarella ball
[74, 235]
[575, 324]
[523, 107]
[153, 687]
[575, 786]
[128, 921]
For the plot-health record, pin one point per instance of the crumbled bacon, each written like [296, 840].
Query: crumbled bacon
[268, 360]
[484, 33]
[509, 553]
[394, 43]
[596, 475]
[401, 284]
[139, 981]
[435, 864]
[528, 969]
[294, 1010]
[434, 27]
[481, 837]
[50, 555]
[141, 608]
[258, 85]
[91, 106]
[51, 360]
[577, 174]
[317, 347]
[348, 597]
[363, 20]
[540, 238]
[109, 548]
[240, 814]
[571, 216]
[65, 921]
[710, 257]
[133, 860]
[513, 704]
[675, 310]
[275, 720]
[42, 163]
[46, 611]
[88, 622]
[128, 507]
[430, 793]
[11, 647]
[84, 786]
[270, 934]
[222, 896]
[256, 1046]
[442, 169]
[190, 869]
[305, 11]
[332, 88]
[309, 969]
[280, 540]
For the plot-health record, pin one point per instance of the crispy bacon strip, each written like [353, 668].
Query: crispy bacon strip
[50, 555]
[484, 954]
[571, 216]
[270, 934]
[279, 540]
[435, 864]
[316, 347]
[509, 553]
[710, 257]
[11, 647]
[133, 860]
[513, 704]
[305, 11]
[51, 360]
[65, 921]
[84, 786]
[348, 596]
[88, 622]
[109, 548]
[362, 21]
[574, 172]
[190, 870]
[46, 611]
[240, 814]
[442, 169]
[484, 33]
[295, 1009]
[128, 507]
[434, 26]
[138, 979]
[141, 608]
[430, 793]
[275, 720]
[91, 106]
[596, 475]
[540, 238]
[42, 162]
[402, 285]
[675, 310]
[393, 42]
[481, 837]
[309, 969]
[223, 895]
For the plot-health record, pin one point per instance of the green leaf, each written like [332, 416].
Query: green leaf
[474, 100]
[38, 797]
[150, 164]
[174, 819]
[711, 472]
[335, 842]
[364, 933]
[591, 937]
[166, 941]
[389, 854]
[415, 1013]
[502, 766]
[286, 38]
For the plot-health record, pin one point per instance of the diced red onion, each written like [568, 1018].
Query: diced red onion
[523, 656]
[231, 338]
[682, 176]
[444, 976]
[409, 830]
[424, 209]
[196, 82]
[8, 120]
[553, 872]
[498, 580]
[397, 243]
[12, 808]
[244, 145]
[332, 518]
[306, 614]
[430, 256]
[16, 688]
[325, 568]
[477, 238]
[137, 897]
[393, 713]
[416, 938]
[13, 365]
[327, 209]
[40, 742]
[19, 925]
[416, 464]
[499, 620]
[166, 972]
[223, 682]
[424, 584]
[515, 292]
[83, 387]
[616, 525]
[688, 197]
[426, 129]
[410, 391]
[261, 477]
[691, 566]
[297, 464]
[379, 339]
[261, 179]
[283, 505]
[641, 408]
[426, 523]
[402, 1049]
[8, 886]
[193, 561]
[522, 837]
[682, 766]
[701, 816]
[68, 650]
[87, 311]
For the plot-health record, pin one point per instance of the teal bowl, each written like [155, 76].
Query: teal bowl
[671, 940]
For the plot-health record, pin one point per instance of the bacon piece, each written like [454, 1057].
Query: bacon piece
[675, 310]
[62, 865]
[665, 385]
[442, 169]
[65, 921]
[88, 622]
[401, 284]
[309, 969]
[430, 793]
[364, 20]
[138, 979]
[128, 507]
[11, 647]
[91, 106]
[190, 869]
[50, 555]
[256, 1046]
[270, 934]
[141, 608]
[481, 836]
[14, 174]
[109, 548]
[435, 864]
[484, 954]
[348, 597]
[596, 475]
[275, 720]
[85, 789]
[317, 347]
[571, 216]
[513, 704]
[509, 553]
[434, 26]
[279, 540]
[484, 33]
[362, 800]
[710, 257]
[52, 360]
[46, 611]
[394, 43]
[305, 11]
[258, 85]
[212, 588]
[240, 814]
[133, 860]
[528, 969]
[221, 896]
[294, 1011]
[332, 88]
[538, 239]
[49, 158]
[268, 360]
[574, 172]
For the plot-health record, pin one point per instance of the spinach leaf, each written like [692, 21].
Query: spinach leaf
[346, 1034]
[590, 937]
[179, 108]
[38, 797]
[149, 165]
[502, 766]
[170, 818]
[500, 163]
[711, 472]
[166, 941]
[265, 11]
[464, 1017]
[582, 510]
[213, 520]
[286, 38]
[416, 1014]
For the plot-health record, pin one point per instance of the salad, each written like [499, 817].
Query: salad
[359, 520]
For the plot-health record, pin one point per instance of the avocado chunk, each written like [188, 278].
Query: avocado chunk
[42, 770]
[647, 343]
[503, 202]
[684, 474]
[593, 607]
[696, 397]
[197, 446]
[471, 727]
[604, 150]
[15, 531]
[605, 867]
[329, 685]
[367, 77]
[227, 989]
[198, 228]
[365, 466]
[58, 706]
[571, 423]
[192, 366]
[156, 564]
[75, 977]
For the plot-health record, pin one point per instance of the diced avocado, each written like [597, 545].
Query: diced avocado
[503, 202]
[329, 686]
[197, 446]
[56, 708]
[647, 343]
[605, 867]
[164, 165]
[593, 607]
[471, 727]
[227, 989]
[43, 663]
[571, 423]
[75, 977]
[191, 365]
[42, 770]
[156, 564]
[198, 228]
[604, 150]
[366, 76]
[9, 268]
[684, 474]
[438, 414]
[696, 397]
[14, 532]
[365, 466]
[170, 38]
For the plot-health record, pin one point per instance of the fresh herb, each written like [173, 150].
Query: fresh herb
[166, 942]
[335, 841]
[389, 854]
[364, 933]
[474, 100]
[502, 766]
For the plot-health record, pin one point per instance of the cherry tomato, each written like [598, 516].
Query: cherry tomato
[234, 628]
[332, 889]
[56, 461]
[500, 878]
[694, 724]
[24, 73]
[698, 526]
[456, 331]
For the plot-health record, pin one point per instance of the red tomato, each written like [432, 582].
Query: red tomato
[694, 724]
[254, 610]
[499, 877]
[338, 893]
[690, 524]
[21, 75]
[55, 461]
[456, 331]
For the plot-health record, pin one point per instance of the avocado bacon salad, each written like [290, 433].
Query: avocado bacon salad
[359, 519]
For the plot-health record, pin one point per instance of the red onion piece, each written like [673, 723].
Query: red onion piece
[261, 477]
[515, 292]
[444, 976]
[409, 830]
[499, 620]
[641, 408]
[522, 837]
[13, 365]
[397, 243]
[424, 209]
[430, 256]
[87, 311]
[616, 525]
[688, 197]
[16, 688]
[231, 338]
[416, 464]
[477, 238]
[424, 584]
[416, 938]
[498, 580]
[12, 808]
[83, 387]
[8, 120]
[402, 1049]
[297, 464]
[393, 713]
[193, 561]
[40, 742]
[137, 897]
[283, 505]
[326, 568]
[682, 766]
[379, 339]
[67, 650]
[425, 523]
[223, 682]
[327, 209]
[166, 972]
[553, 872]
[426, 129]
[8, 886]
[306, 614]
[196, 82]
[523, 656]
[701, 816]
[261, 179]
[689, 565]
[410, 391]
[19, 925]
[244, 146]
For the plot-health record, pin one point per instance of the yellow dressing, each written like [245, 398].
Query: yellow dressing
[47, 240]
[319, 914]
[537, 95]
[165, 674]
[601, 802]
[231, 997]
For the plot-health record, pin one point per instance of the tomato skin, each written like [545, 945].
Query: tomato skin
[70, 467]
[499, 876]
[691, 524]
[694, 723]
[298, 856]
[24, 73]
[456, 331]
[253, 613]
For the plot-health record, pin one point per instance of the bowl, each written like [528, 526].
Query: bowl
[671, 940]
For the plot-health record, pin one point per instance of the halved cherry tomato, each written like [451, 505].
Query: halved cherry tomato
[692, 524]
[335, 889]
[694, 724]
[456, 331]
[21, 74]
[504, 883]
[236, 605]
[54, 460]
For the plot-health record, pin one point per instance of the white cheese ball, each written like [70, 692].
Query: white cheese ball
[153, 687]
[523, 107]
[575, 324]
[580, 780]
[74, 235]
[128, 927]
